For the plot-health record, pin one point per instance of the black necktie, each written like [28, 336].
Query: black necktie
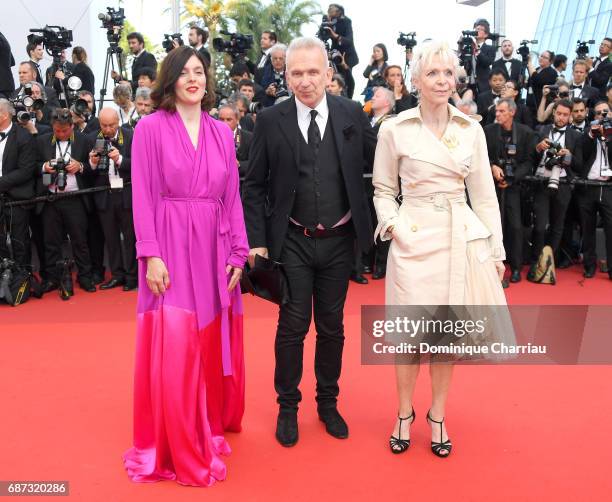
[2, 136]
[314, 134]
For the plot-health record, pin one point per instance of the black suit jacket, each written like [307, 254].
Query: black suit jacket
[486, 109]
[515, 68]
[259, 73]
[145, 60]
[600, 77]
[589, 94]
[525, 148]
[246, 138]
[7, 84]
[84, 72]
[46, 150]
[18, 165]
[344, 28]
[589, 152]
[125, 171]
[484, 60]
[548, 76]
[573, 142]
[272, 176]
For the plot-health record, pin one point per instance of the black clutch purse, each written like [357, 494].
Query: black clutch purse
[267, 280]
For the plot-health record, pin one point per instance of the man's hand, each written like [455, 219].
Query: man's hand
[115, 75]
[563, 152]
[29, 126]
[333, 34]
[158, 278]
[545, 90]
[257, 251]
[114, 155]
[59, 74]
[498, 172]
[543, 145]
[73, 167]
[47, 168]
[175, 43]
[94, 159]
[271, 90]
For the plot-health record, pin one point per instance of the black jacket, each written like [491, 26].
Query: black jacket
[84, 72]
[589, 154]
[525, 148]
[242, 154]
[18, 165]
[7, 84]
[486, 109]
[589, 94]
[145, 60]
[600, 77]
[272, 176]
[515, 68]
[344, 28]
[98, 179]
[484, 60]
[259, 73]
[573, 142]
[548, 76]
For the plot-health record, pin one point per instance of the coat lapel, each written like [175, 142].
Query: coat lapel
[9, 144]
[339, 123]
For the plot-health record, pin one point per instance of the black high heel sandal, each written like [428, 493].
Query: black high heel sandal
[445, 445]
[397, 444]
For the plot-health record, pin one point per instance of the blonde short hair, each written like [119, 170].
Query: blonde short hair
[424, 55]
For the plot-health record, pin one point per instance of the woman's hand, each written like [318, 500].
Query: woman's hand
[158, 279]
[501, 269]
[235, 278]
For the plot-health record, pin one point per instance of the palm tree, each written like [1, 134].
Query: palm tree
[287, 17]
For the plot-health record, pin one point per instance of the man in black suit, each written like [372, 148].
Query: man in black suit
[486, 100]
[342, 40]
[591, 200]
[17, 166]
[115, 208]
[242, 139]
[511, 147]
[485, 54]
[7, 84]
[27, 74]
[304, 205]
[545, 74]
[268, 39]
[142, 58]
[550, 204]
[36, 52]
[197, 38]
[511, 66]
[579, 87]
[64, 215]
[601, 71]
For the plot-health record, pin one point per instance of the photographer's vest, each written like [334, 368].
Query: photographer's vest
[320, 195]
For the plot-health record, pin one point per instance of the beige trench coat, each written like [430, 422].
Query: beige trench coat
[442, 251]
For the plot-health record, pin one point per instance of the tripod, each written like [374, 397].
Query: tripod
[108, 66]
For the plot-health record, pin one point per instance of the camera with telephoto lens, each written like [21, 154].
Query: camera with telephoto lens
[555, 163]
[102, 148]
[255, 107]
[113, 21]
[507, 163]
[407, 40]
[323, 33]
[59, 177]
[605, 123]
[376, 79]
[26, 106]
[523, 49]
[237, 46]
[281, 86]
[582, 48]
[168, 42]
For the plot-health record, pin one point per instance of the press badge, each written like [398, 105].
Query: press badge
[116, 182]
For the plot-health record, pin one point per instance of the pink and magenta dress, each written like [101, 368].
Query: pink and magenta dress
[189, 371]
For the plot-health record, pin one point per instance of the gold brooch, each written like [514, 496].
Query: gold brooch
[450, 141]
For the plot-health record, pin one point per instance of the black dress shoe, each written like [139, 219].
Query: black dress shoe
[113, 283]
[334, 423]
[359, 279]
[367, 269]
[287, 428]
[88, 286]
[515, 276]
[66, 290]
[97, 278]
[505, 284]
[589, 272]
[130, 286]
[47, 286]
[379, 273]
[564, 263]
[532, 272]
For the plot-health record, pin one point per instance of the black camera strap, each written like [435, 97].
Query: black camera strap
[59, 147]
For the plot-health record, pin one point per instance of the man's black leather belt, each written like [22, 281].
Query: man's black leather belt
[319, 233]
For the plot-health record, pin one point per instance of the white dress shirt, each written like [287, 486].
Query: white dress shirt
[65, 148]
[600, 170]
[264, 58]
[3, 144]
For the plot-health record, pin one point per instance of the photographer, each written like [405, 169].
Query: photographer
[82, 70]
[274, 81]
[545, 74]
[27, 74]
[511, 66]
[395, 81]
[579, 87]
[484, 53]
[580, 113]
[591, 200]
[340, 32]
[39, 116]
[268, 39]
[63, 155]
[90, 118]
[197, 38]
[510, 146]
[59, 73]
[7, 61]
[242, 138]
[17, 172]
[336, 85]
[551, 94]
[559, 150]
[601, 71]
[375, 70]
[122, 96]
[486, 100]
[142, 58]
[523, 114]
[242, 103]
[110, 166]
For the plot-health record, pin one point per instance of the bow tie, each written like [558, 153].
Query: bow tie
[558, 130]
[576, 87]
[578, 128]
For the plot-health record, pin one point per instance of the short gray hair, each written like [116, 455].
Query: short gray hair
[231, 107]
[509, 101]
[143, 92]
[424, 56]
[469, 104]
[278, 47]
[306, 43]
[389, 96]
[7, 106]
[122, 91]
[238, 96]
[43, 92]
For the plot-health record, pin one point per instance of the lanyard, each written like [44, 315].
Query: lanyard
[59, 147]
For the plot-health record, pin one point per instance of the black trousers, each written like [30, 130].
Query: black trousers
[15, 221]
[550, 207]
[318, 271]
[591, 200]
[513, 224]
[95, 242]
[116, 221]
[66, 216]
[38, 238]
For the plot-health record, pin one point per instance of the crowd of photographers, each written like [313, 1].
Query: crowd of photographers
[547, 130]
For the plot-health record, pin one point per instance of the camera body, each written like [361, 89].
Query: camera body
[523, 49]
[24, 103]
[508, 163]
[237, 46]
[555, 163]
[59, 177]
[582, 48]
[323, 33]
[376, 79]
[281, 86]
[168, 44]
[113, 21]
[407, 40]
[54, 38]
[606, 124]
[102, 148]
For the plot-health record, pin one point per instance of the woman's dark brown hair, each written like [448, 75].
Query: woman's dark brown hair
[80, 54]
[163, 94]
[386, 76]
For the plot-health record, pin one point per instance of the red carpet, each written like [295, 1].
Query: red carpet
[519, 433]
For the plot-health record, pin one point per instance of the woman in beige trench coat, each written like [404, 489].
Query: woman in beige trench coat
[442, 252]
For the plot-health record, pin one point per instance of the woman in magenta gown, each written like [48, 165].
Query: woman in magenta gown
[191, 247]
